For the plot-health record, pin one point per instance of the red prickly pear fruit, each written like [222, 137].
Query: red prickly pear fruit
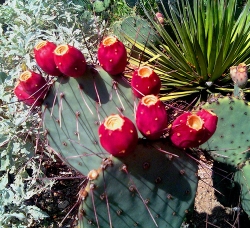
[34, 84]
[187, 130]
[25, 97]
[145, 82]
[210, 120]
[118, 135]
[151, 117]
[112, 55]
[70, 60]
[44, 56]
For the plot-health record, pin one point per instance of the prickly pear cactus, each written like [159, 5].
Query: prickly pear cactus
[230, 143]
[137, 29]
[146, 189]
[243, 179]
[156, 181]
[74, 109]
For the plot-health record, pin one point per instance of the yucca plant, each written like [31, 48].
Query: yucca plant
[198, 42]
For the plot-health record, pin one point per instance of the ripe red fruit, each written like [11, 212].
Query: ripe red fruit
[151, 117]
[33, 83]
[145, 82]
[25, 97]
[112, 55]
[44, 57]
[186, 130]
[192, 130]
[70, 61]
[210, 120]
[118, 135]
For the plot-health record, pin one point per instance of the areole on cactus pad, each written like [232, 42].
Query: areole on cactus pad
[44, 56]
[145, 82]
[70, 60]
[151, 117]
[118, 135]
[112, 55]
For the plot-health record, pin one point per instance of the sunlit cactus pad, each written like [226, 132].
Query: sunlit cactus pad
[138, 29]
[74, 109]
[231, 143]
[243, 179]
[149, 188]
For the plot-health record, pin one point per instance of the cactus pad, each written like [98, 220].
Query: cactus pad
[74, 109]
[230, 143]
[138, 29]
[242, 177]
[148, 188]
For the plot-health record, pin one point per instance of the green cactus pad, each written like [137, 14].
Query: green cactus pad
[243, 179]
[230, 143]
[166, 184]
[138, 29]
[73, 110]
